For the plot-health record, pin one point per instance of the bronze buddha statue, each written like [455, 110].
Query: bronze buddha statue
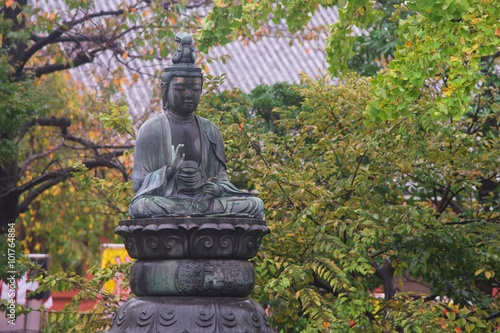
[179, 162]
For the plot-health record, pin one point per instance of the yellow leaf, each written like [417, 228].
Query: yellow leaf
[220, 3]
[8, 3]
[205, 68]
[489, 274]
[497, 32]
[125, 55]
[136, 77]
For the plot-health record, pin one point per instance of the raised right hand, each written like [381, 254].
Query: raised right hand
[176, 160]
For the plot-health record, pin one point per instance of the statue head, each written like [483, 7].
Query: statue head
[183, 93]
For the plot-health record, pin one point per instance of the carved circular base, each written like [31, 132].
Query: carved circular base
[190, 315]
[196, 237]
[191, 277]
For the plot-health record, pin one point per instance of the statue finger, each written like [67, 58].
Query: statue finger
[172, 154]
[179, 161]
[177, 150]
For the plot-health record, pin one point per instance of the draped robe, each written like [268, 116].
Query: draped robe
[156, 196]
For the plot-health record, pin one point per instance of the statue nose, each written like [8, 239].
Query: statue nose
[189, 93]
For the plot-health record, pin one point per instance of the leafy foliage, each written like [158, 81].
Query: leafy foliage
[402, 180]
[47, 134]
[444, 41]
[440, 43]
[74, 218]
[252, 20]
[350, 202]
[372, 50]
[40, 42]
[71, 319]
[343, 200]
[77, 32]
[18, 101]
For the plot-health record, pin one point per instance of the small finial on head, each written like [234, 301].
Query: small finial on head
[185, 51]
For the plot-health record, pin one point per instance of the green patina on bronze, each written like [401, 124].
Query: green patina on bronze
[179, 162]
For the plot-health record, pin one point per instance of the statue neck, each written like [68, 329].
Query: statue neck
[180, 119]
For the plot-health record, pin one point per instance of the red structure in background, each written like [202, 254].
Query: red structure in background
[112, 254]
[60, 299]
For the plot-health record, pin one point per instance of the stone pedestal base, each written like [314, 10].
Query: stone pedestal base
[195, 237]
[192, 275]
[191, 315]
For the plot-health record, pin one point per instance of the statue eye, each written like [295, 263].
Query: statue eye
[179, 87]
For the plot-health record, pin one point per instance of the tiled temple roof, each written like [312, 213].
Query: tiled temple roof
[267, 61]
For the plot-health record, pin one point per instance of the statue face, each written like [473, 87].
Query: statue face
[184, 95]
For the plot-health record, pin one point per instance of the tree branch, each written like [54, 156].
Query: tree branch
[441, 190]
[92, 145]
[55, 177]
[71, 39]
[38, 156]
[491, 57]
[64, 123]
[444, 198]
[38, 46]
[61, 122]
[495, 219]
[98, 39]
[23, 206]
[449, 202]
[90, 16]
[493, 316]
[360, 160]
[80, 59]
[320, 284]
[53, 37]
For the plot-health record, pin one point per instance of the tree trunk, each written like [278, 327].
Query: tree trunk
[9, 171]
[386, 274]
[9, 202]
